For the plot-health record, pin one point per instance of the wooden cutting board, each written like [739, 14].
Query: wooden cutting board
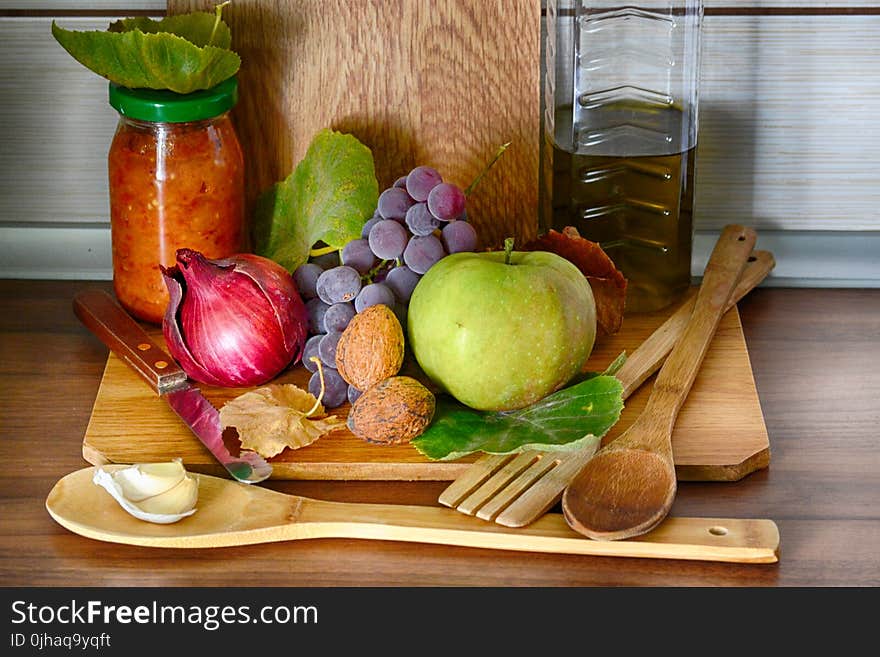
[720, 433]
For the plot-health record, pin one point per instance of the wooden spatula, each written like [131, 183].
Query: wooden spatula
[231, 513]
[515, 489]
[627, 488]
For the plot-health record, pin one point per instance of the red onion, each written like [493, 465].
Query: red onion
[235, 321]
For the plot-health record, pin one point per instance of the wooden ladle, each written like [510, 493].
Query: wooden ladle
[627, 488]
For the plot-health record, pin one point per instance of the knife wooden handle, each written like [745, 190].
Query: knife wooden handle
[124, 337]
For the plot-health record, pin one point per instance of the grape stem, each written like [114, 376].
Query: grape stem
[369, 275]
[476, 181]
[324, 250]
[317, 361]
[508, 250]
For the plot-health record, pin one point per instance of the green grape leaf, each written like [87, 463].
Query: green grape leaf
[327, 198]
[569, 419]
[199, 28]
[172, 54]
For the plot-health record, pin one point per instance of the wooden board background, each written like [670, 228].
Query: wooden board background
[720, 434]
[442, 83]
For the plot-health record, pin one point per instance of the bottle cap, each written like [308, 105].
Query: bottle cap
[163, 106]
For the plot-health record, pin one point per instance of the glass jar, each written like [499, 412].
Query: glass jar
[176, 180]
[620, 135]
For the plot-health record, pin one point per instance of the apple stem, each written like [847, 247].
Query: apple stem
[508, 250]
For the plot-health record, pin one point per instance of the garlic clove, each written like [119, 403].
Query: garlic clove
[146, 480]
[180, 499]
[178, 503]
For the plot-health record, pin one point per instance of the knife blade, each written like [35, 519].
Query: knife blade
[104, 317]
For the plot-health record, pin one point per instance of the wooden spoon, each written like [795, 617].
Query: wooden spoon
[628, 487]
[231, 513]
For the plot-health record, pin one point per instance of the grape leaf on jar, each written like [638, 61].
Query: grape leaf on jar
[569, 419]
[199, 28]
[182, 53]
[327, 198]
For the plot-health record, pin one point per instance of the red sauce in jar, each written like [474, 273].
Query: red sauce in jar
[172, 185]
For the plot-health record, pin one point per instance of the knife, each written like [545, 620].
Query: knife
[123, 336]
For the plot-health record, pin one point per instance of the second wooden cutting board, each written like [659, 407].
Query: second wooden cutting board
[720, 434]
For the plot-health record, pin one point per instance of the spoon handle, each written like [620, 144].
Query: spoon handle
[230, 514]
[652, 353]
[725, 266]
[740, 540]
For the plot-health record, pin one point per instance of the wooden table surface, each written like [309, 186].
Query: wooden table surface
[816, 359]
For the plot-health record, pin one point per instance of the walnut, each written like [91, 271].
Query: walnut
[371, 348]
[393, 411]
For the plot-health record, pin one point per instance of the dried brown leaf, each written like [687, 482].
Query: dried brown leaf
[606, 281]
[272, 418]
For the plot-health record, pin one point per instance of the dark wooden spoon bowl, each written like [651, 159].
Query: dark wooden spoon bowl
[641, 500]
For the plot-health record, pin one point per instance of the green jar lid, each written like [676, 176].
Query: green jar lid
[162, 106]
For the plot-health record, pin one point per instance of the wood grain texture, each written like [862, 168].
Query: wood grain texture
[778, 94]
[815, 360]
[734, 5]
[652, 353]
[130, 423]
[628, 487]
[765, 121]
[442, 83]
[225, 517]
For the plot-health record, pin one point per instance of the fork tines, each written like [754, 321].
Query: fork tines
[515, 489]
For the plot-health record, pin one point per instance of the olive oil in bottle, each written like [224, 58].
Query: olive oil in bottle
[619, 119]
[634, 197]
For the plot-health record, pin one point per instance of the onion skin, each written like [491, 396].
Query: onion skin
[233, 322]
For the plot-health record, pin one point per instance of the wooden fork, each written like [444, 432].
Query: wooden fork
[515, 489]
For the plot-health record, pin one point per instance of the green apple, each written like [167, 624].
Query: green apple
[501, 330]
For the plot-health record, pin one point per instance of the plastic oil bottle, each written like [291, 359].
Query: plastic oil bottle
[620, 100]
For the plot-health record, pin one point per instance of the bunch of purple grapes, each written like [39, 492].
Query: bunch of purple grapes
[419, 220]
